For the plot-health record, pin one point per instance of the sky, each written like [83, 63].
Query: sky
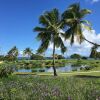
[19, 17]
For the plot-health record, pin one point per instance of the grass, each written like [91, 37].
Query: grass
[83, 85]
[92, 73]
[50, 88]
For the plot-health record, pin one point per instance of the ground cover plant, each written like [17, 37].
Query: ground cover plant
[50, 88]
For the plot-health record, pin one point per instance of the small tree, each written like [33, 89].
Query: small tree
[28, 52]
[36, 57]
[75, 56]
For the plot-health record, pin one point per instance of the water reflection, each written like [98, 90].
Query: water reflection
[66, 68]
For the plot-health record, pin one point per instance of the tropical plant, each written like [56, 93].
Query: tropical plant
[76, 56]
[98, 55]
[36, 57]
[13, 51]
[28, 52]
[50, 33]
[94, 52]
[5, 70]
[1, 57]
[12, 54]
[73, 18]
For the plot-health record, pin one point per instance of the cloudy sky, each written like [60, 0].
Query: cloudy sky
[19, 17]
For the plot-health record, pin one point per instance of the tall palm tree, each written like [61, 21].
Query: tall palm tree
[28, 52]
[73, 18]
[49, 32]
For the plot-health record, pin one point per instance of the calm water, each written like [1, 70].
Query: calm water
[66, 68]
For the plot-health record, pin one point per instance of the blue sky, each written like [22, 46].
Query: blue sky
[19, 17]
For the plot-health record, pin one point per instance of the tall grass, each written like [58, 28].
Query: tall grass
[49, 88]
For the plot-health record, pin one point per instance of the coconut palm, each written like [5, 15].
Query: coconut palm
[49, 32]
[12, 54]
[94, 52]
[13, 51]
[73, 18]
[28, 52]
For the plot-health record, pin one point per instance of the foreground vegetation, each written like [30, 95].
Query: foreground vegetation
[83, 85]
[50, 88]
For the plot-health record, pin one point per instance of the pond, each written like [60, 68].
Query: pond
[66, 68]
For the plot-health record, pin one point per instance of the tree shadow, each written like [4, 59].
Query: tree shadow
[86, 76]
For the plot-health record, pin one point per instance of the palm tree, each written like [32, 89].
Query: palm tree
[94, 52]
[73, 18]
[50, 33]
[13, 52]
[28, 52]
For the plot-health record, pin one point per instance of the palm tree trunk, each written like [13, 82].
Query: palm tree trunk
[55, 73]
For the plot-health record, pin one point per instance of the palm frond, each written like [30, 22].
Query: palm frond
[72, 39]
[43, 36]
[43, 47]
[74, 7]
[63, 48]
[84, 12]
[43, 21]
[79, 35]
[86, 27]
[40, 29]
[86, 22]
[68, 33]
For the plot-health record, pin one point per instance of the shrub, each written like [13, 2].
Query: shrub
[76, 56]
[36, 57]
[5, 70]
[84, 57]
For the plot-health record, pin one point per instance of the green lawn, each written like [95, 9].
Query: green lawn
[92, 73]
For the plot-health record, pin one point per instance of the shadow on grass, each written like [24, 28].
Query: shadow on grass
[86, 76]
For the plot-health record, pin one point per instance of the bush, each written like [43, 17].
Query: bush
[75, 56]
[87, 68]
[61, 57]
[36, 57]
[5, 70]
[1, 57]
[10, 58]
[84, 57]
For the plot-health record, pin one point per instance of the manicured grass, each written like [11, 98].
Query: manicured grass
[92, 73]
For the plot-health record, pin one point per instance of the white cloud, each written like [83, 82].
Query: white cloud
[20, 53]
[95, 1]
[92, 1]
[84, 48]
